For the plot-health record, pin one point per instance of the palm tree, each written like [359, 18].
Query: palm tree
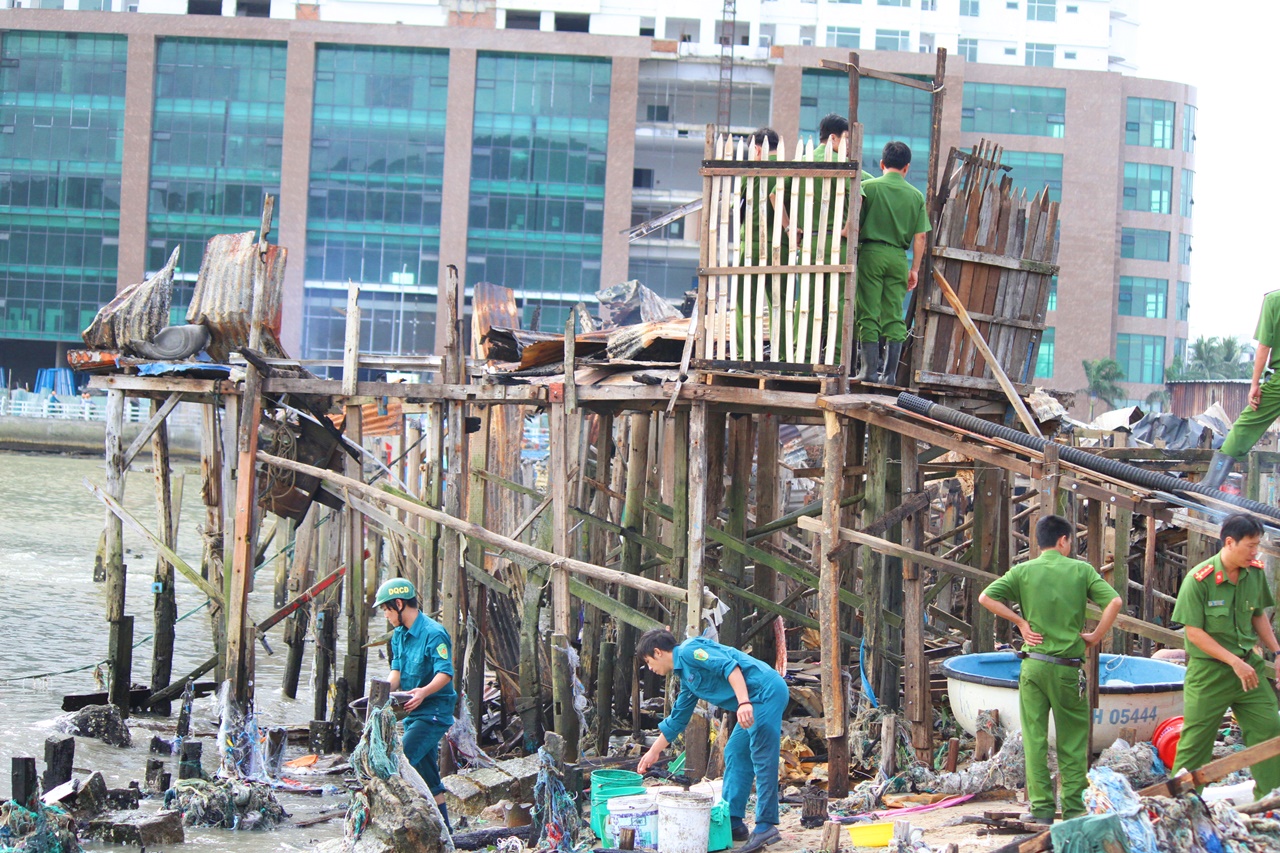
[1214, 359]
[1103, 377]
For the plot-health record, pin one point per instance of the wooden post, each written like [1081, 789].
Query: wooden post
[562, 695]
[300, 578]
[530, 704]
[355, 663]
[25, 787]
[328, 608]
[414, 549]
[120, 658]
[919, 702]
[59, 756]
[566, 718]
[166, 606]
[432, 494]
[1093, 657]
[453, 573]
[604, 697]
[738, 455]
[767, 497]
[214, 551]
[239, 627]
[1148, 581]
[875, 632]
[983, 555]
[1123, 515]
[698, 475]
[189, 762]
[632, 523]
[834, 710]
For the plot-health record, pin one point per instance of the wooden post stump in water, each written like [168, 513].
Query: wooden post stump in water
[26, 784]
[189, 766]
[59, 755]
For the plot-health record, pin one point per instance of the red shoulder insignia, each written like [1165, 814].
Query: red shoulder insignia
[1204, 571]
[1256, 564]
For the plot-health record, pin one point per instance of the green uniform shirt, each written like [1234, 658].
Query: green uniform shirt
[892, 211]
[1268, 333]
[420, 653]
[759, 252]
[1209, 600]
[820, 156]
[1052, 591]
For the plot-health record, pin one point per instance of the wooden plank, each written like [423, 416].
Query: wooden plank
[994, 260]
[697, 517]
[465, 528]
[995, 320]
[149, 428]
[1019, 407]
[165, 610]
[919, 706]
[239, 639]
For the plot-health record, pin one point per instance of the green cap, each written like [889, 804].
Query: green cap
[395, 588]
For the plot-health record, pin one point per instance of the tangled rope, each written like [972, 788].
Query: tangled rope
[555, 810]
[226, 803]
[49, 829]
[378, 752]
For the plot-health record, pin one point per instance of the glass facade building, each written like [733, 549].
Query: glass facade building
[1141, 357]
[373, 213]
[1149, 122]
[62, 99]
[217, 141]
[1033, 172]
[1143, 297]
[540, 141]
[1144, 244]
[1024, 110]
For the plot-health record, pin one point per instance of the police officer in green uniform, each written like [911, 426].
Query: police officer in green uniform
[893, 219]
[421, 663]
[752, 250]
[1221, 605]
[1264, 396]
[737, 682]
[1052, 591]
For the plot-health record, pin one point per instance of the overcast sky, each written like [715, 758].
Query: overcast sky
[1224, 49]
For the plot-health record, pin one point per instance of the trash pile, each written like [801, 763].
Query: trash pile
[1184, 824]
[1139, 762]
[49, 829]
[555, 809]
[226, 803]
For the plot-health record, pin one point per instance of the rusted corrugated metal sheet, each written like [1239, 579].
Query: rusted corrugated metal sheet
[1193, 397]
[136, 314]
[492, 305]
[373, 422]
[223, 300]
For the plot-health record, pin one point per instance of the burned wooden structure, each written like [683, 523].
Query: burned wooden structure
[709, 477]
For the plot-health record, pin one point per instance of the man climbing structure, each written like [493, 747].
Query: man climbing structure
[1264, 396]
[1052, 591]
[739, 683]
[1222, 606]
[421, 663]
[893, 219]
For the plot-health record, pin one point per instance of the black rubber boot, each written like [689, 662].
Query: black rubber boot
[1219, 467]
[444, 813]
[870, 371]
[889, 370]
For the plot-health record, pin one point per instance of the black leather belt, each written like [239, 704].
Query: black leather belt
[1051, 659]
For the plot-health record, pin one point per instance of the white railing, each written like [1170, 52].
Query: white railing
[22, 405]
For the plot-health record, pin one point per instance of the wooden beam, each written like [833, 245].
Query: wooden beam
[834, 710]
[239, 639]
[149, 428]
[992, 260]
[962, 314]
[468, 529]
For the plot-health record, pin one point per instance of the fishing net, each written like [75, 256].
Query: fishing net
[245, 750]
[377, 753]
[49, 829]
[462, 734]
[1088, 833]
[555, 810]
[1139, 762]
[226, 803]
[1110, 792]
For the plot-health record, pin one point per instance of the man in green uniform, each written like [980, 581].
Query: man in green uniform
[421, 663]
[1221, 605]
[1264, 396]
[893, 220]
[754, 249]
[1052, 591]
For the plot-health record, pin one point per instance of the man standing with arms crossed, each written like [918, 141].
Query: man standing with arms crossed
[1222, 606]
[1052, 591]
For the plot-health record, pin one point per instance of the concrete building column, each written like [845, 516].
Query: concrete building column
[624, 88]
[455, 195]
[295, 181]
[135, 167]
[786, 104]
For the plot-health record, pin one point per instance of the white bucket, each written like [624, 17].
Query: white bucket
[684, 821]
[639, 813]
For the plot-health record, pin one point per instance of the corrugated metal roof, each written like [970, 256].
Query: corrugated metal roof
[136, 313]
[223, 300]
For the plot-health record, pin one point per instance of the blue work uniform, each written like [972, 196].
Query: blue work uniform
[704, 667]
[421, 653]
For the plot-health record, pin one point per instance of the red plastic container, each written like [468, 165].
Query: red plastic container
[1166, 738]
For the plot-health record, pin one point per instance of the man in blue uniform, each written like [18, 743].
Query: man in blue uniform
[736, 682]
[421, 663]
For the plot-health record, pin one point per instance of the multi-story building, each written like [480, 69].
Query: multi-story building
[523, 156]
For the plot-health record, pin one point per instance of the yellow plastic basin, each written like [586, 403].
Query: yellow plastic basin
[871, 834]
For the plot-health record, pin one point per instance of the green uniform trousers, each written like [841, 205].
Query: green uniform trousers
[1252, 423]
[882, 286]
[1211, 687]
[1044, 686]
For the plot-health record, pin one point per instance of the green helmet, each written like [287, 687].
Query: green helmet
[395, 588]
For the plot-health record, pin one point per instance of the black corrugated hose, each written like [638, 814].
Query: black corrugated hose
[1111, 467]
